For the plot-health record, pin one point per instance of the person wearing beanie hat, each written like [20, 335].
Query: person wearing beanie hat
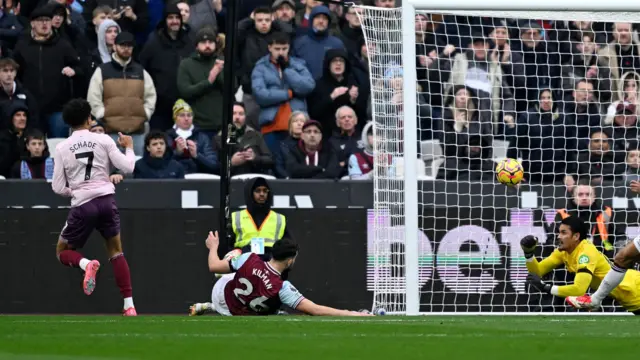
[161, 55]
[191, 147]
[312, 159]
[200, 81]
[313, 46]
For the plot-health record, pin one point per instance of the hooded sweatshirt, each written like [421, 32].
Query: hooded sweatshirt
[12, 144]
[105, 53]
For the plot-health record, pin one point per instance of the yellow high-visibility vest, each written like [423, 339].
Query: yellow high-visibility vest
[245, 229]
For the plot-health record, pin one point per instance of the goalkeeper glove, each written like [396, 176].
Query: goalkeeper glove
[528, 245]
[535, 281]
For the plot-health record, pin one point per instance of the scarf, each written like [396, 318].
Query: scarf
[25, 171]
[185, 134]
[311, 157]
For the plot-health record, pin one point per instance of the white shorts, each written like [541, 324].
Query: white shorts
[217, 295]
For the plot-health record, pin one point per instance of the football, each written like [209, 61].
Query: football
[509, 172]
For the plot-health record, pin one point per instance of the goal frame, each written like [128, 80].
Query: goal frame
[559, 10]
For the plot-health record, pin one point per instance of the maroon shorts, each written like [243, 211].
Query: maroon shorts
[100, 213]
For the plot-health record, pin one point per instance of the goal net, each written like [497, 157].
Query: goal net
[453, 93]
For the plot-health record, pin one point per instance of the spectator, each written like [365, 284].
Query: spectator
[625, 125]
[191, 147]
[312, 47]
[361, 162]
[467, 142]
[582, 110]
[185, 12]
[10, 29]
[296, 121]
[206, 13]
[99, 14]
[570, 34]
[253, 43]
[12, 138]
[36, 163]
[482, 70]
[540, 67]
[161, 57]
[335, 89]
[544, 139]
[600, 163]
[157, 161]
[122, 93]
[311, 159]
[352, 35]
[633, 164]
[628, 91]
[107, 33]
[385, 4]
[280, 83]
[304, 19]
[131, 15]
[67, 20]
[622, 54]
[583, 64]
[346, 140]
[51, 80]
[284, 11]
[200, 82]
[249, 155]
[13, 91]
[97, 127]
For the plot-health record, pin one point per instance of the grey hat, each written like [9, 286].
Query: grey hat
[278, 3]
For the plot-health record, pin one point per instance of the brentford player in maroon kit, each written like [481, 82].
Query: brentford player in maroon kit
[258, 287]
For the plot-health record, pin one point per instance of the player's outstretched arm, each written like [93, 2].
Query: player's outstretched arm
[578, 288]
[310, 308]
[216, 265]
[529, 244]
[127, 162]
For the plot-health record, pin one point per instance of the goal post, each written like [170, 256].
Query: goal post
[451, 246]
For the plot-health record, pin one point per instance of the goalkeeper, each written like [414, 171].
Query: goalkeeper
[581, 257]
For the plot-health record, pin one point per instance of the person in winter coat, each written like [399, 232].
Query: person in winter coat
[312, 158]
[280, 84]
[336, 88]
[131, 15]
[361, 162]
[10, 29]
[346, 139]
[253, 43]
[161, 57]
[201, 79]
[107, 33]
[191, 147]
[48, 64]
[296, 121]
[12, 90]
[249, 155]
[628, 91]
[12, 138]
[157, 162]
[544, 139]
[36, 162]
[601, 162]
[312, 47]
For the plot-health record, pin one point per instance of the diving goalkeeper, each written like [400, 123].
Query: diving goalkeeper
[581, 257]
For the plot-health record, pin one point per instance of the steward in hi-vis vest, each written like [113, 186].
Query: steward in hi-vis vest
[257, 227]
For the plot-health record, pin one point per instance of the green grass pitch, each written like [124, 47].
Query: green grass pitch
[306, 338]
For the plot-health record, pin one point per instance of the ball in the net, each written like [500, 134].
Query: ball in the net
[509, 172]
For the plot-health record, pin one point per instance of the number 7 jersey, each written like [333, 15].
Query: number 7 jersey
[257, 288]
[83, 163]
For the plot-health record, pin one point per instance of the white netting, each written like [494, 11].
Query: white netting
[562, 96]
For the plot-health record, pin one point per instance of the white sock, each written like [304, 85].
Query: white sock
[128, 303]
[83, 263]
[613, 278]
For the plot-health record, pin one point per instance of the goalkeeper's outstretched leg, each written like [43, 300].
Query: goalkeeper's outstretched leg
[622, 262]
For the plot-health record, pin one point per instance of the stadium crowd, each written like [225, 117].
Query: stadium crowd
[564, 96]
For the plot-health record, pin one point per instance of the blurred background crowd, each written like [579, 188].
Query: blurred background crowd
[562, 96]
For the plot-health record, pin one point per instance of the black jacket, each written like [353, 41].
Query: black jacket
[327, 168]
[12, 144]
[20, 96]
[161, 57]
[322, 108]
[41, 64]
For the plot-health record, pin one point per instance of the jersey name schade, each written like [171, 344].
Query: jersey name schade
[254, 289]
